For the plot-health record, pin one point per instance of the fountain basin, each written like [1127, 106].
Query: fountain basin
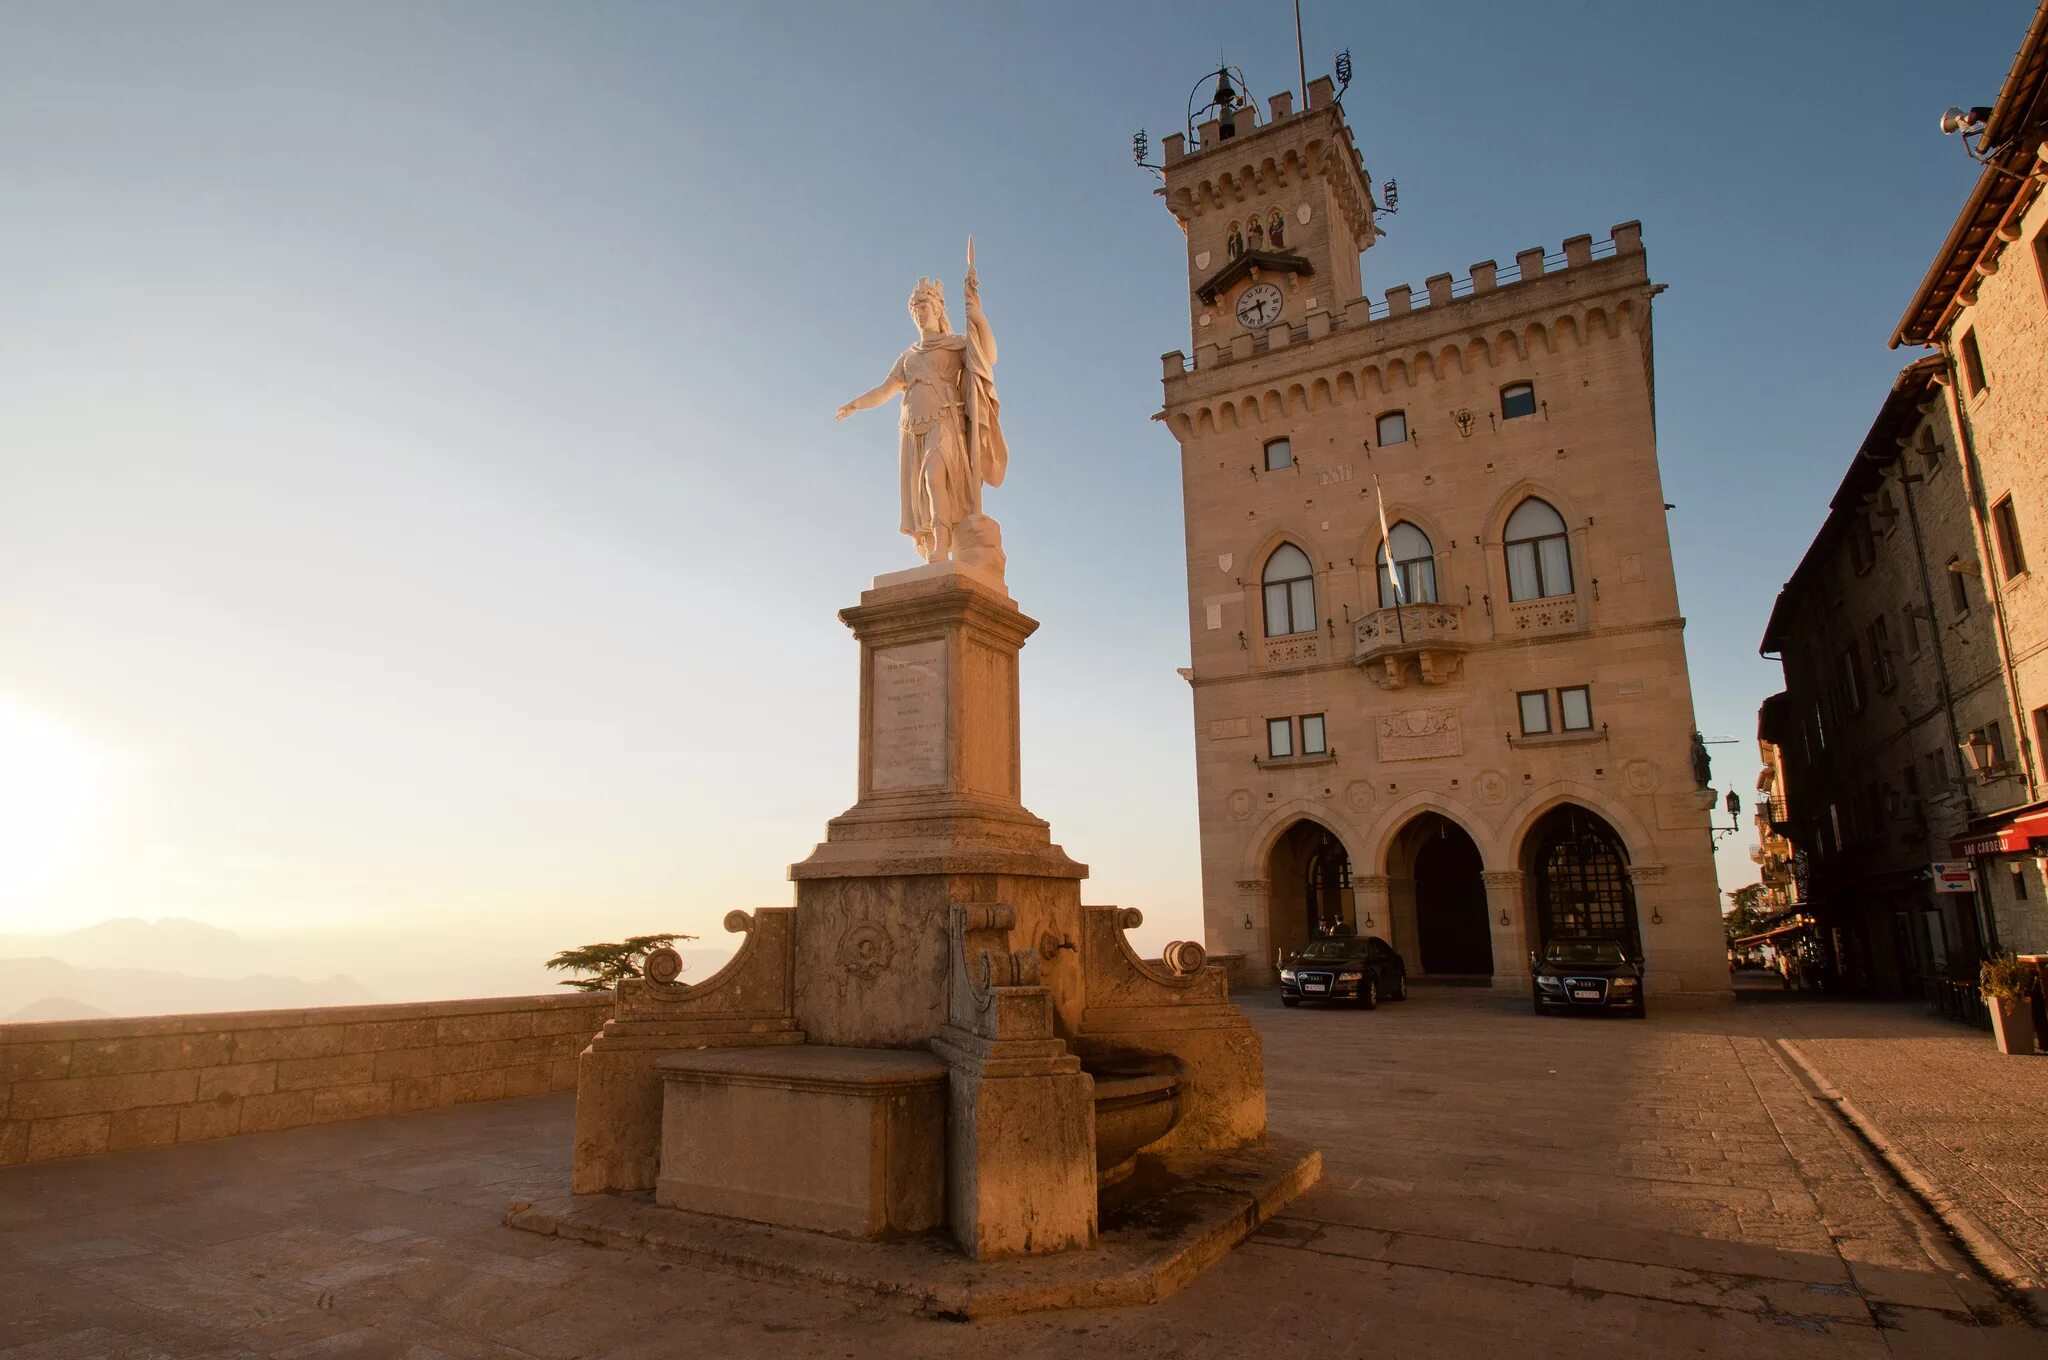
[1137, 1101]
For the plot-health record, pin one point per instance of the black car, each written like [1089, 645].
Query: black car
[1587, 975]
[1361, 968]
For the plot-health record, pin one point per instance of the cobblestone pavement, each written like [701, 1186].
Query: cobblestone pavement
[1975, 1120]
[1496, 1184]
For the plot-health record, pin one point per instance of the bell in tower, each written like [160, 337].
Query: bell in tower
[1276, 209]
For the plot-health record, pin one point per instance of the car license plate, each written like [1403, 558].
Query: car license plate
[1585, 994]
[1315, 986]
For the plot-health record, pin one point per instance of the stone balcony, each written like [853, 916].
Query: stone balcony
[1432, 636]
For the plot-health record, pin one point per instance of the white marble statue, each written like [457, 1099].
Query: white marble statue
[951, 437]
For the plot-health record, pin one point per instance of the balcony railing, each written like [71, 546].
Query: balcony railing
[1433, 634]
[1552, 614]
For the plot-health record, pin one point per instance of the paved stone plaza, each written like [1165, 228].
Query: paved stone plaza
[1495, 1184]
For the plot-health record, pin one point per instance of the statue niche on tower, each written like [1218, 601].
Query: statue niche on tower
[951, 441]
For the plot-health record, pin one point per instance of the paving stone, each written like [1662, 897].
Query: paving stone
[1494, 1185]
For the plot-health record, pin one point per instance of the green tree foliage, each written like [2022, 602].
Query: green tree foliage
[608, 964]
[1745, 914]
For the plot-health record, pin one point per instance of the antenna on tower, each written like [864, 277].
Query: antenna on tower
[1343, 72]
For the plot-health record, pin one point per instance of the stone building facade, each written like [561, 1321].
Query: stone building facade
[1500, 750]
[1779, 867]
[1983, 308]
[1891, 662]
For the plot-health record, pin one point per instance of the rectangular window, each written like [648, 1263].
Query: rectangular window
[1535, 712]
[1911, 623]
[1279, 454]
[2011, 556]
[1312, 742]
[1881, 651]
[1862, 548]
[1517, 400]
[1996, 738]
[2019, 884]
[1973, 363]
[1279, 737]
[1849, 680]
[2041, 732]
[1393, 428]
[1958, 586]
[1575, 708]
[2041, 256]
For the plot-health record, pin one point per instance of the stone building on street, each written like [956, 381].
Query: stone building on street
[1440, 686]
[1914, 635]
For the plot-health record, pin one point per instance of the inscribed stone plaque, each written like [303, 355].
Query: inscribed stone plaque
[907, 732]
[1420, 733]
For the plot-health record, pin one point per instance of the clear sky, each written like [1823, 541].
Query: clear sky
[420, 505]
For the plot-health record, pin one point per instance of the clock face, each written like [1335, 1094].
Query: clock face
[1258, 305]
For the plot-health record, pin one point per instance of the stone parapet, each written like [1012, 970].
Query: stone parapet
[72, 1088]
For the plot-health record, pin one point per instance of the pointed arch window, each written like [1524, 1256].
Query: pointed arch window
[1414, 560]
[1538, 551]
[1290, 586]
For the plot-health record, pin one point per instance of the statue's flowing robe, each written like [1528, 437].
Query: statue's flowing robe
[951, 433]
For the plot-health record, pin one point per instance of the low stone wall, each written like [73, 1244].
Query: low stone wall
[68, 1088]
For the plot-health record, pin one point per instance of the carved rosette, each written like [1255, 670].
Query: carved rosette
[865, 949]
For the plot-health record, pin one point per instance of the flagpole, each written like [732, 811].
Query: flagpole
[1300, 60]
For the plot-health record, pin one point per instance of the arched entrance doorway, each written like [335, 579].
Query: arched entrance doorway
[1433, 871]
[1308, 885]
[1579, 887]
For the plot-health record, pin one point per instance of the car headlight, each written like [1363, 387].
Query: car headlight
[1287, 975]
[1553, 984]
[1624, 984]
[1349, 977]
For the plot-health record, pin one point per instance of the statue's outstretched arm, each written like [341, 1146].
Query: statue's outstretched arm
[873, 397]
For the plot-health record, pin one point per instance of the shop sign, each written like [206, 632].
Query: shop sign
[1952, 876]
[2005, 841]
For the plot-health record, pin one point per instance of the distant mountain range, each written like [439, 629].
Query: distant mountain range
[126, 966]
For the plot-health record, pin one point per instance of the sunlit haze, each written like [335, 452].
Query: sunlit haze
[421, 514]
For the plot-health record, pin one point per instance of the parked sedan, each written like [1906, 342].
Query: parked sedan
[1586, 975]
[1361, 968]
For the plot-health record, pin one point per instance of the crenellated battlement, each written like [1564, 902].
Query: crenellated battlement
[1475, 307]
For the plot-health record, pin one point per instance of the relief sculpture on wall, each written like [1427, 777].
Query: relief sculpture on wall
[1420, 734]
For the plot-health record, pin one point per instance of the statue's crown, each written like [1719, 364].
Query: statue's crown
[928, 288]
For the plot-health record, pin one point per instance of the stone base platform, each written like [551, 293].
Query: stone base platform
[1172, 1220]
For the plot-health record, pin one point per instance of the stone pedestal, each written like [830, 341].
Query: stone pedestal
[918, 1042]
[850, 1141]
[939, 819]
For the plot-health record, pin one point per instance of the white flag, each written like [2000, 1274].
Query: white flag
[1386, 539]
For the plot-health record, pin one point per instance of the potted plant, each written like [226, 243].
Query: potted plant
[2006, 985]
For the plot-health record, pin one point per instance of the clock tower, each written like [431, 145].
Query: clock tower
[1441, 704]
[1276, 211]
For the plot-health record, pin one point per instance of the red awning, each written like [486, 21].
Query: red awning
[2012, 838]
